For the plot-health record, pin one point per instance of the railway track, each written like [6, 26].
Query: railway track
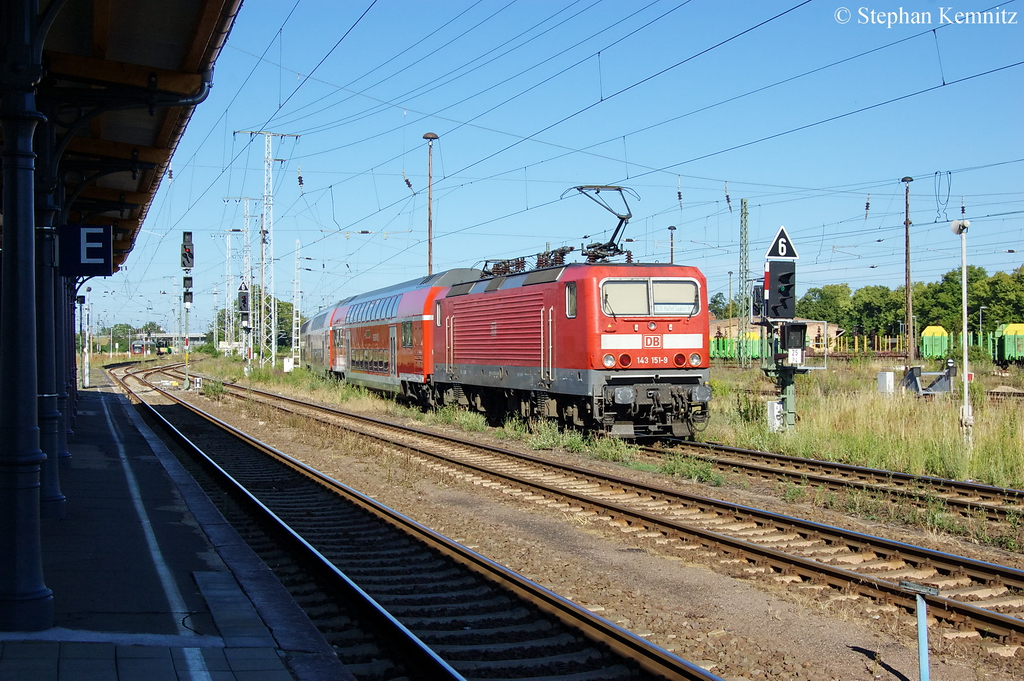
[977, 599]
[435, 609]
[966, 499]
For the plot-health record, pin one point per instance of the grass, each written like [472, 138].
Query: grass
[691, 468]
[841, 416]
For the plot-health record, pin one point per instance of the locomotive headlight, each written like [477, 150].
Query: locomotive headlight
[694, 359]
[680, 359]
[625, 360]
[652, 326]
[609, 361]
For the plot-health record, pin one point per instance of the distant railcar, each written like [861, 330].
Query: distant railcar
[934, 343]
[1009, 347]
[619, 348]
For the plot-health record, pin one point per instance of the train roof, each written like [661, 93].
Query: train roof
[463, 280]
[446, 278]
[543, 275]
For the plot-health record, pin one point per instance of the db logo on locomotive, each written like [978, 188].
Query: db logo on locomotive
[652, 341]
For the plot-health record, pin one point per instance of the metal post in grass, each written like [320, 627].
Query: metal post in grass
[922, 623]
[966, 416]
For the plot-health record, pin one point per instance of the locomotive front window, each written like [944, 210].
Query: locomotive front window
[674, 297]
[625, 297]
[646, 297]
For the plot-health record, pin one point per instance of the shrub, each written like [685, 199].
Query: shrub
[692, 468]
[213, 389]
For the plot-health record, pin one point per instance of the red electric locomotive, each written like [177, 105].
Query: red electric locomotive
[619, 348]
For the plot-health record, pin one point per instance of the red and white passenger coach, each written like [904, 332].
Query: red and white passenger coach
[619, 348]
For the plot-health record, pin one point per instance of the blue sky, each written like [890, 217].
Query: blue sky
[810, 111]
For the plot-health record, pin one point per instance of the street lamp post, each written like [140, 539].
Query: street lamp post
[911, 341]
[86, 322]
[430, 137]
[966, 417]
[730, 295]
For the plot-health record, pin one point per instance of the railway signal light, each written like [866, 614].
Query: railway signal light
[188, 258]
[793, 336]
[757, 301]
[780, 285]
[243, 301]
[186, 282]
[187, 298]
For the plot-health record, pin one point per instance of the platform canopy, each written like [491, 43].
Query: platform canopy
[120, 80]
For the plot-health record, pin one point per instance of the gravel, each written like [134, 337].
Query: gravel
[731, 624]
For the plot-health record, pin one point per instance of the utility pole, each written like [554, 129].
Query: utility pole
[267, 323]
[296, 295]
[430, 137]
[911, 340]
[741, 340]
[215, 311]
[246, 286]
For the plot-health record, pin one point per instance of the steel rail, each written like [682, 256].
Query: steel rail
[996, 502]
[623, 642]
[421, 657]
[958, 613]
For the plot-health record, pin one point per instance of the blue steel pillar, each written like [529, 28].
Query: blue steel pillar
[52, 502]
[25, 602]
[60, 334]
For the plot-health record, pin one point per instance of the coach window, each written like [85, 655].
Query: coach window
[437, 313]
[570, 300]
[675, 297]
[406, 334]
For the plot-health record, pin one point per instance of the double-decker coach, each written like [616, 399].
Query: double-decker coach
[377, 339]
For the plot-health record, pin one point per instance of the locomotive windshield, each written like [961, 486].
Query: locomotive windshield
[647, 297]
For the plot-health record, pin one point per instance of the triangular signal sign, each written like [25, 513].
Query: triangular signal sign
[782, 248]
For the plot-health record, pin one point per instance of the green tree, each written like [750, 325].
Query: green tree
[940, 303]
[830, 303]
[1005, 299]
[718, 305]
[877, 309]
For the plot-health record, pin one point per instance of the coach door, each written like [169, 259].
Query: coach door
[392, 350]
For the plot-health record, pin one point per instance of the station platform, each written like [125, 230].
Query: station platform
[149, 581]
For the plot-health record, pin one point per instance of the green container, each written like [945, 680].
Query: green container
[1010, 345]
[934, 342]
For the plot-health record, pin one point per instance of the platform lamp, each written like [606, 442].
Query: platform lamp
[966, 417]
[430, 137]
